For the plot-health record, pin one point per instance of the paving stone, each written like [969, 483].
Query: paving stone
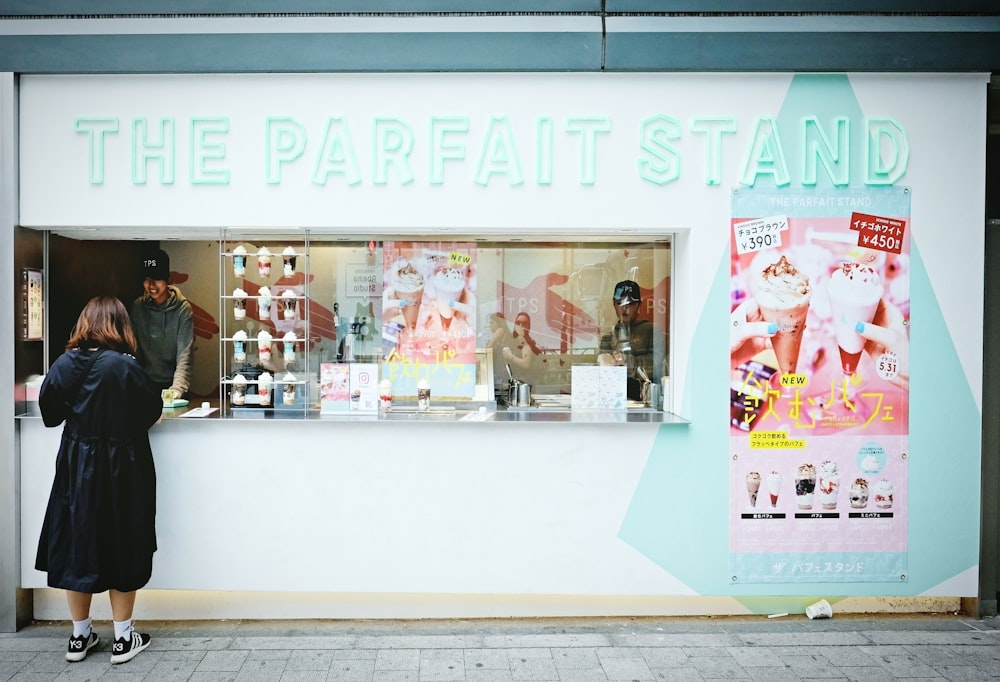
[546, 641]
[754, 656]
[397, 659]
[395, 676]
[303, 676]
[676, 640]
[535, 669]
[677, 674]
[352, 670]
[171, 670]
[583, 675]
[487, 659]
[262, 671]
[222, 661]
[665, 657]
[442, 668]
[634, 668]
[309, 660]
[488, 676]
[719, 667]
[812, 666]
[575, 659]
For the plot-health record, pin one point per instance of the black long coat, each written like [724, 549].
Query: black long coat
[99, 530]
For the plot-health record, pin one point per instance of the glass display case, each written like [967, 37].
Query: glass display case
[319, 324]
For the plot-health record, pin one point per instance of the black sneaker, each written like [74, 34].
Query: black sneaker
[127, 648]
[79, 646]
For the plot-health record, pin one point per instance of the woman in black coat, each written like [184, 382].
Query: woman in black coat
[99, 528]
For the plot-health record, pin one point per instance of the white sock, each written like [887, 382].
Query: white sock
[123, 629]
[81, 628]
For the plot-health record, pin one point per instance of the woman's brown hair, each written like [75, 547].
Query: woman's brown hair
[103, 323]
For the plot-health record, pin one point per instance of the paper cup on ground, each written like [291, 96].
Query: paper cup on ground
[820, 609]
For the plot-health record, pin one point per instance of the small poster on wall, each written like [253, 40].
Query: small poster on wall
[34, 305]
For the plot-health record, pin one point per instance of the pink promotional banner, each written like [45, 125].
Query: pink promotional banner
[819, 384]
[429, 317]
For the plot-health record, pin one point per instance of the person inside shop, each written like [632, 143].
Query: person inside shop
[164, 327]
[524, 357]
[634, 342]
[500, 338]
[98, 533]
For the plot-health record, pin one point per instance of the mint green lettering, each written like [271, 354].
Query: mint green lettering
[499, 154]
[285, 140]
[887, 151]
[588, 128]
[543, 145]
[158, 149]
[713, 129]
[662, 162]
[206, 150]
[765, 156]
[336, 154]
[393, 145]
[95, 129]
[441, 150]
[817, 149]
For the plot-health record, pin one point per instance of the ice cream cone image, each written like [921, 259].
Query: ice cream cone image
[783, 294]
[408, 284]
[854, 291]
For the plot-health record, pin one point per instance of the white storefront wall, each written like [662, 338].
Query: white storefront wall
[485, 518]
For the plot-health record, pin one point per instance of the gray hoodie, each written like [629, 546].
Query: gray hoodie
[166, 339]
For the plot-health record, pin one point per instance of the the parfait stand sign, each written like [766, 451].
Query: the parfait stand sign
[819, 385]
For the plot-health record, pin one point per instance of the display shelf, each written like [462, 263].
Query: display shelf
[279, 277]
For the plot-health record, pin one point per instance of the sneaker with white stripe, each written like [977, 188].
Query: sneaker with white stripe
[126, 648]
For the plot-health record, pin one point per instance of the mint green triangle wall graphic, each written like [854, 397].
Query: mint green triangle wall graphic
[678, 516]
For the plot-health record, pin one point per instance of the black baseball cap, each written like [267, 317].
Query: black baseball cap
[156, 265]
[627, 291]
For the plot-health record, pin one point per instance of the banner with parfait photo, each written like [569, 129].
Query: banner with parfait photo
[819, 384]
[429, 317]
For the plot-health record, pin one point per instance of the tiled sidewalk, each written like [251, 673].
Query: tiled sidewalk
[572, 650]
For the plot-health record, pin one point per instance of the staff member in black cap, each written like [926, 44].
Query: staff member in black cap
[633, 342]
[164, 326]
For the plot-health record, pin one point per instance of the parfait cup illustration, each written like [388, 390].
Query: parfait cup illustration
[783, 293]
[289, 302]
[239, 303]
[385, 395]
[240, 346]
[408, 284]
[264, 339]
[239, 394]
[288, 258]
[264, 303]
[240, 261]
[264, 262]
[854, 291]
[288, 389]
[753, 485]
[423, 395]
[264, 382]
[829, 484]
[882, 491]
[289, 340]
[448, 284]
[774, 487]
[859, 493]
[805, 486]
